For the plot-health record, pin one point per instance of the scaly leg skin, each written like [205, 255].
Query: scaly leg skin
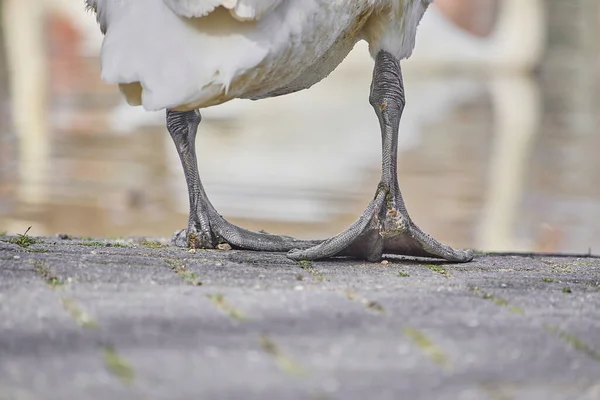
[385, 227]
[206, 228]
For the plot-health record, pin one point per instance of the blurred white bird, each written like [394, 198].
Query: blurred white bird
[515, 44]
[184, 55]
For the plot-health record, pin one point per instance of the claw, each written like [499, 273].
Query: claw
[222, 231]
[192, 239]
[179, 238]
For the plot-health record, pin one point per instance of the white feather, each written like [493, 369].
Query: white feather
[185, 54]
[240, 9]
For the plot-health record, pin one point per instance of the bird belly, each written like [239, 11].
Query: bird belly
[322, 46]
[201, 62]
[312, 74]
[304, 60]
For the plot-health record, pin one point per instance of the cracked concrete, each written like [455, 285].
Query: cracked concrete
[138, 320]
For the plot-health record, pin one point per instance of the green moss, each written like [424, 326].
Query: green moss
[23, 240]
[46, 274]
[78, 314]
[304, 264]
[370, 304]
[117, 365]
[285, 363]
[3, 233]
[219, 302]
[308, 267]
[498, 301]
[574, 341]
[172, 263]
[402, 274]
[152, 244]
[567, 289]
[375, 306]
[438, 269]
[37, 251]
[547, 280]
[119, 245]
[189, 277]
[427, 346]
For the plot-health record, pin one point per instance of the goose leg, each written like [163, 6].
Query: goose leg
[206, 228]
[385, 226]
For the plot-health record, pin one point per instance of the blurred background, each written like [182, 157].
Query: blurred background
[498, 144]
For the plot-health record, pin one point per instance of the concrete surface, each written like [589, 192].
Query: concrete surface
[138, 320]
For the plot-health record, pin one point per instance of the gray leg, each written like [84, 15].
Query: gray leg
[206, 228]
[385, 227]
[183, 127]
